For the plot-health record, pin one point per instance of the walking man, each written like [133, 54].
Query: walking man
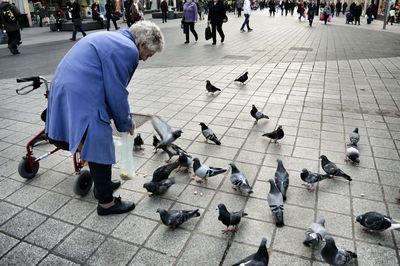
[164, 10]
[9, 15]
[246, 12]
[76, 20]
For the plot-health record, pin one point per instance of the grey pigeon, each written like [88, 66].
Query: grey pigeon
[331, 169]
[173, 150]
[185, 160]
[164, 171]
[138, 142]
[352, 155]
[257, 114]
[276, 134]
[239, 180]
[203, 171]
[159, 188]
[211, 88]
[242, 78]
[275, 202]
[165, 132]
[374, 221]
[354, 137]
[315, 233]
[175, 218]
[281, 179]
[311, 178]
[209, 134]
[334, 256]
[260, 258]
[230, 218]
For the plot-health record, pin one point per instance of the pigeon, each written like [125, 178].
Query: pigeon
[242, 79]
[164, 171]
[173, 150]
[155, 143]
[209, 134]
[165, 132]
[276, 134]
[185, 160]
[239, 180]
[354, 137]
[260, 258]
[256, 114]
[311, 178]
[230, 218]
[374, 221]
[138, 142]
[159, 188]
[331, 169]
[211, 88]
[175, 218]
[275, 202]
[334, 256]
[203, 171]
[315, 233]
[352, 155]
[281, 179]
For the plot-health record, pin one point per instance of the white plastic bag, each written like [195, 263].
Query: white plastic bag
[124, 146]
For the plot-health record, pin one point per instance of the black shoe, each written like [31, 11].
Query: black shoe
[72, 39]
[249, 30]
[222, 39]
[186, 42]
[114, 184]
[213, 43]
[118, 208]
[196, 38]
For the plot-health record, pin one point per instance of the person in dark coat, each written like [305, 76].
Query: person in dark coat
[300, 10]
[128, 12]
[271, 5]
[164, 10]
[76, 20]
[110, 10]
[11, 25]
[216, 17]
[311, 13]
[338, 8]
[368, 13]
[332, 6]
[352, 8]
[357, 13]
[96, 13]
[344, 7]
[59, 19]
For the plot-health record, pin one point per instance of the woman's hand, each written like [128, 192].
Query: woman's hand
[133, 127]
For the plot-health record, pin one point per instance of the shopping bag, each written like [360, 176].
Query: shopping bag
[124, 145]
[208, 33]
[329, 18]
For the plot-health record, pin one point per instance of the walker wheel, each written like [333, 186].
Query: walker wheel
[25, 170]
[83, 183]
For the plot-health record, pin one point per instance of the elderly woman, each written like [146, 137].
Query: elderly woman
[189, 17]
[89, 89]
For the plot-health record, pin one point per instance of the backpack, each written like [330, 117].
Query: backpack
[8, 14]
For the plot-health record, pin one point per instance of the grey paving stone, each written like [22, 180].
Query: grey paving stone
[9, 186]
[55, 260]
[49, 203]
[6, 243]
[203, 250]
[134, 229]
[369, 254]
[49, 234]
[168, 241]
[203, 195]
[75, 211]
[147, 257]
[366, 190]
[80, 245]
[48, 179]
[361, 206]
[7, 211]
[281, 242]
[103, 224]
[337, 224]
[23, 223]
[65, 187]
[113, 252]
[149, 205]
[292, 213]
[252, 231]
[277, 258]
[23, 254]
[26, 195]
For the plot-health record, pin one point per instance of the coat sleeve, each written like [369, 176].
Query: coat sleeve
[117, 72]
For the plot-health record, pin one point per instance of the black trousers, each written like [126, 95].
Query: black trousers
[101, 175]
[217, 27]
[164, 16]
[14, 38]
[114, 22]
[190, 25]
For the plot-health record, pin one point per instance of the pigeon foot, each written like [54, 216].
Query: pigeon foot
[398, 200]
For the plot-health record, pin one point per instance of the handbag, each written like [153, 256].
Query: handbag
[135, 16]
[3, 37]
[225, 19]
[208, 33]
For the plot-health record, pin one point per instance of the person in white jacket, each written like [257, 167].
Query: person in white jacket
[246, 12]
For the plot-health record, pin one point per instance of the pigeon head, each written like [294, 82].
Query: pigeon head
[161, 211]
[359, 219]
[321, 221]
[330, 242]
[279, 219]
[304, 170]
[355, 130]
[138, 135]
[222, 207]
[203, 126]
[304, 173]
[246, 73]
[177, 133]
[208, 82]
[279, 127]
[323, 158]
[234, 168]
[311, 240]
[150, 186]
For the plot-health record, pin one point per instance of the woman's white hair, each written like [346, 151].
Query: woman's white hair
[149, 34]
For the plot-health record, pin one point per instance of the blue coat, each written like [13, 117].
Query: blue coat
[89, 89]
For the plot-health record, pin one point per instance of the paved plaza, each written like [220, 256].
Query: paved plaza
[319, 83]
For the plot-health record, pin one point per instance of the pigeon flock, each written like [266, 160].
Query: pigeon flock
[316, 235]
